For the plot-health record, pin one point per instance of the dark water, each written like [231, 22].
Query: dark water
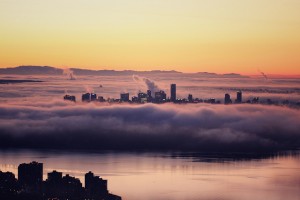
[165, 176]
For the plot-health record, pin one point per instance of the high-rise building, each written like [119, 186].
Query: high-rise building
[95, 186]
[8, 183]
[86, 97]
[31, 175]
[239, 97]
[71, 187]
[134, 99]
[227, 99]
[173, 92]
[54, 176]
[101, 99]
[142, 97]
[149, 96]
[70, 98]
[53, 186]
[124, 97]
[160, 96]
[190, 98]
[93, 97]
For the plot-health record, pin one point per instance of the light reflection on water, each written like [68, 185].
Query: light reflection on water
[176, 176]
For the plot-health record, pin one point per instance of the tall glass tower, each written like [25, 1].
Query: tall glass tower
[173, 92]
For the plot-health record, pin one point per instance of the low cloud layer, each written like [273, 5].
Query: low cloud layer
[61, 125]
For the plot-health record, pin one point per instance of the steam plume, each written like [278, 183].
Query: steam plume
[150, 84]
[69, 73]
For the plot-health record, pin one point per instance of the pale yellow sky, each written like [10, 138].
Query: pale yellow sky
[185, 35]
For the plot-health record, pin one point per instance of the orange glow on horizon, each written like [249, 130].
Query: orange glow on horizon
[187, 36]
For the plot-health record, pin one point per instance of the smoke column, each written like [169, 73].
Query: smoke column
[69, 73]
[263, 74]
[150, 84]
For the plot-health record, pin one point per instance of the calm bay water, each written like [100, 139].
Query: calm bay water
[164, 176]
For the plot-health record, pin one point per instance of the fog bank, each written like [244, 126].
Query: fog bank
[149, 127]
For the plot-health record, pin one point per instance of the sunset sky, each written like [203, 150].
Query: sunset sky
[185, 35]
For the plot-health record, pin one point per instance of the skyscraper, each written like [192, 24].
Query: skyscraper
[31, 175]
[86, 97]
[149, 96]
[173, 92]
[142, 97]
[124, 97]
[93, 97]
[160, 96]
[95, 186]
[239, 97]
[54, 177]
[227, 99]
[190, 98]
[70, 98]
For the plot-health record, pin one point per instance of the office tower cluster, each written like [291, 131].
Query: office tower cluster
[70, 98]
[227, 99]
[153, 97]
[156, 97]
[87, 97]
[30, 185]
[159, 97]
[148, 97]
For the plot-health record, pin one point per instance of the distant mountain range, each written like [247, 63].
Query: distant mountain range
[47, 70]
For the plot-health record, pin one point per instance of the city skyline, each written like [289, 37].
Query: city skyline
[30, 185]
[163, 99]
[160, 97]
